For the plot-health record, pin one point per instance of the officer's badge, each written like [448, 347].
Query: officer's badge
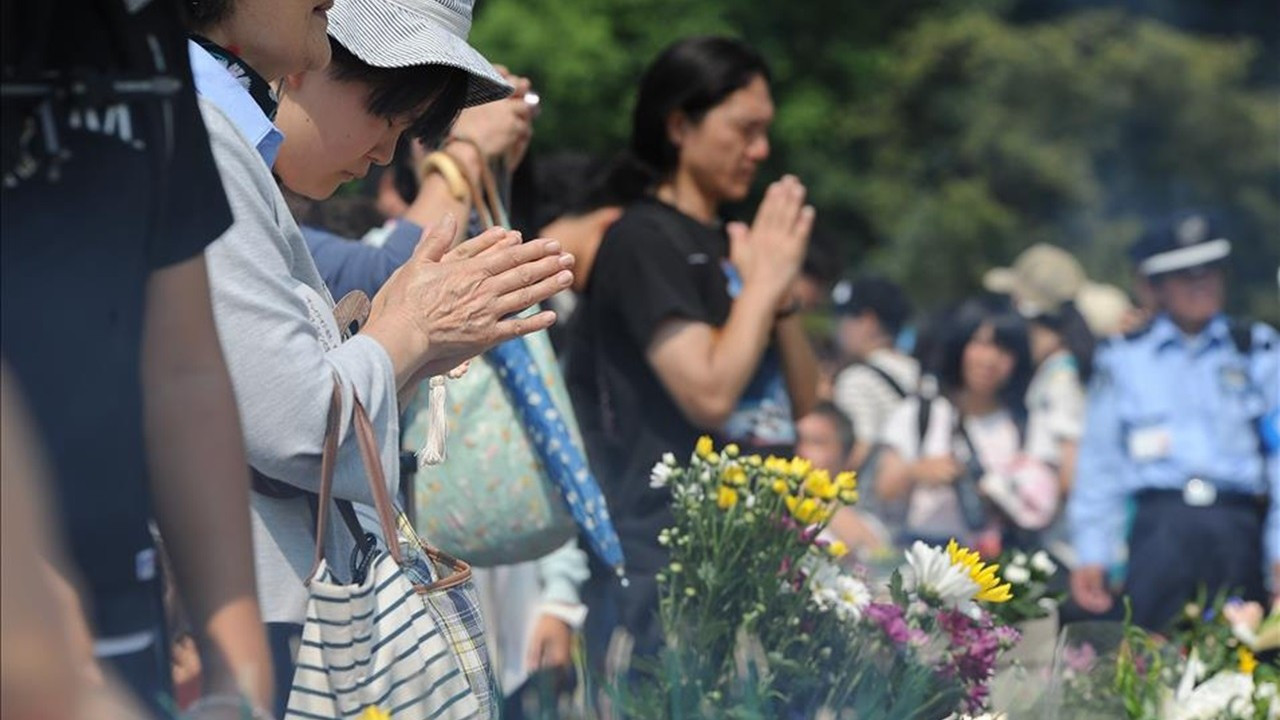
[1192, 230]
[1233, 378]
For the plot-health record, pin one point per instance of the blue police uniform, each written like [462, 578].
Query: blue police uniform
[1176, 424]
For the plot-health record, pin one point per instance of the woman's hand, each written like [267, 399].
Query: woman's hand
[773, 249]
[442, 308]
[502, 128]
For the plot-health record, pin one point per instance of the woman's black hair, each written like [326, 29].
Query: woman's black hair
[1009, 333]
[431, 94]
[692, 76]
[204, 14]
[1076, 336]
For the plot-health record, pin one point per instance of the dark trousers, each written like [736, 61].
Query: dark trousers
[132, 641]
[539, 697]
[1176, 550]
[283, 639]
[613, 606]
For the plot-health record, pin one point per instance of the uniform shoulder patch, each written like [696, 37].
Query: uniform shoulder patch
[1135, 334]
[1265, 337]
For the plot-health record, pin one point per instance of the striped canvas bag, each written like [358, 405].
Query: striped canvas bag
[386, 643]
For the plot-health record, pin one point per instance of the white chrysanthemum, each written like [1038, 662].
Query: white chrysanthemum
[1227, 694]
[854, 596]
[659, 475]
[929, 571]
[1017, 574]
[669, 459]
[1041, 562]
[834, 590]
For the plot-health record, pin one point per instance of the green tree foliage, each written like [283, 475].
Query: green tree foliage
[937, 138]
[988, 137]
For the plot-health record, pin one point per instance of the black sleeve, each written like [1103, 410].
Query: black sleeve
[641, 273]
[196, 211]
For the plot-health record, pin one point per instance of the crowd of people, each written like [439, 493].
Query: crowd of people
[220, 327]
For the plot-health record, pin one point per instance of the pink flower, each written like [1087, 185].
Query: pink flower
[889, 619]
[1080, 658]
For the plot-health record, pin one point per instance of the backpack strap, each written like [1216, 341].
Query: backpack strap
[887, 378]
[922, 421]
[1242, 335]
[1241, 331]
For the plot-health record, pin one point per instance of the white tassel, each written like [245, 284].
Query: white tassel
[432, 452]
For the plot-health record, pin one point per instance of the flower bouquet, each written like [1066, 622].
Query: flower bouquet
[1212, 666]
[761, 620]
[1030, 576]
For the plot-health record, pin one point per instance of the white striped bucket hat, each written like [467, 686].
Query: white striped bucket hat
[404, 33]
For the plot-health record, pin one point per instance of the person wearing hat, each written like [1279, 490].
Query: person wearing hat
[1044, 284]
[398, 67]
[1175, 424]
[871, 311]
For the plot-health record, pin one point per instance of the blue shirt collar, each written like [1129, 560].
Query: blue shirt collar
[220, 87]
[1164, 333]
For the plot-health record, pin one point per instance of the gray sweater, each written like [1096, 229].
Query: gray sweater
[282, 347]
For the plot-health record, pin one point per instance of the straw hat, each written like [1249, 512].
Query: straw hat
[1042, 279]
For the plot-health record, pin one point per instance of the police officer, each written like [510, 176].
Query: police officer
[1177, 424]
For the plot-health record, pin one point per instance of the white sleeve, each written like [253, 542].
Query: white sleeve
[900, 432]
[1066, 406]
[854, 394]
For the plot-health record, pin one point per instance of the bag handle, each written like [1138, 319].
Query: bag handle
[485, 199]
[362, 428]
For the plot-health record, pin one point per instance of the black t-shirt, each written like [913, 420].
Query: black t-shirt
[656, 264]
[137, 191]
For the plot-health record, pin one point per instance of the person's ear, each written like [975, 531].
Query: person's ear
[677, 127]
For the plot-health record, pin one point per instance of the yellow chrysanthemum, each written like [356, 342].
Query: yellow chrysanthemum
[754, 460]
[731, 450]
[373, 712]
[1248, 663]
[818, 484]
[849, 497]
[727, 497]
[781, 487]
[847, 481]
[705, 447]
[983, 575]
[776, 464]
[734, 475]
[800, 467]
[837, 549]
[806, 511]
